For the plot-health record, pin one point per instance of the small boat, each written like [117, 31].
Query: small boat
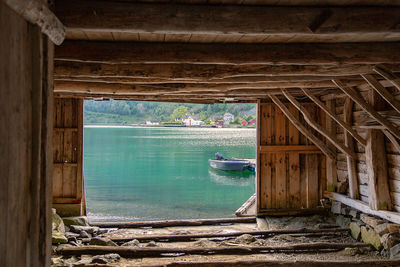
[224, 164]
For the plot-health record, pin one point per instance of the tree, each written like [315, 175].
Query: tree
[179, 112]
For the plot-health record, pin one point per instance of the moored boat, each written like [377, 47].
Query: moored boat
[224, 164]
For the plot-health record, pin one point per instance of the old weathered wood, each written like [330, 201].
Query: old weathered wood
[201, 72]
[363, 207]
[37, 12]
[336, 118]
[331, 172]
[191, 237]
[132, 252]
[356, 97]
[169, 223]
[351, 162]
[392, 139]
[316, 126]
[304, 149]
[303, 129]
[380, 89]
[388, 75]
[284, 54]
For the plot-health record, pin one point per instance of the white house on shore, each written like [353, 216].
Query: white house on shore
[152, 122]
[228, 118]
[191, 121]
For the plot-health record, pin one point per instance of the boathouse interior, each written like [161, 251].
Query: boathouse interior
[324, 74]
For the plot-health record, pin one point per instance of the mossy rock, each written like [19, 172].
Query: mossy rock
[79, 220]
[355, 230]
[369, 236]
[58, 238]
[58, 224]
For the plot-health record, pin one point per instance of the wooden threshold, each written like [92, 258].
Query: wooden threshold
[363, 207]
[304, 149]
[291, 212]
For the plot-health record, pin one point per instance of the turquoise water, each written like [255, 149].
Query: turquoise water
[163, 173]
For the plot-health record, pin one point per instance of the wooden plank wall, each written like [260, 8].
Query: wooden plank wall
[393, 155]
[67, 154]
[287, 180]
[26, 60]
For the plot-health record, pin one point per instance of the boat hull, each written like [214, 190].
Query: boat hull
[229, 165]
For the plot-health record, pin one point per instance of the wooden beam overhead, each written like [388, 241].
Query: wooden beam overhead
[64, 69]
[317, 127]
[356, 97]
[133, 17]
[345, 125]
[388, 75]
[269, 54]
[307, 133]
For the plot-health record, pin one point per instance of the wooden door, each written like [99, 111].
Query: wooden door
[67, 155]
[290, 169]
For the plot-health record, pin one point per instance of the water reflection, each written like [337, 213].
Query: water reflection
[231, 178]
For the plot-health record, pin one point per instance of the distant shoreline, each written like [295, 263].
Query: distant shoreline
[159, 126]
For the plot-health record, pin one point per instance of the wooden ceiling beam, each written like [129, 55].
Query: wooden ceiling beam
[195, 53]
[127, 16]
[204, 71]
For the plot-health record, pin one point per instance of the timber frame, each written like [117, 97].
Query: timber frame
[326, 83]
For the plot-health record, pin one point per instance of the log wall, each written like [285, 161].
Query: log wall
[26, 60]
[67, 155]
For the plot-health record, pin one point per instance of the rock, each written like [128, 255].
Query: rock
[393, 228]
[354, 213]
[389, 240]
[371, 221]
[342, 221]
[355, 230]
[262, 224]
[350, 251]
[58, 224]
[151, 244]
[99, 259]
[80, 220]
[204, 243]
[71, 234]
[369, 236]
[84, 234]
[395, 252]
[72, 239]
[112, 257]
[336, 207]
[73, 243]
[57, 261]
[381, 229]
[245, 239]
[61, 246]
[58, 238]
[132, 243]
[100, 241]
[345, 211]
[89, 229]
[102, 231]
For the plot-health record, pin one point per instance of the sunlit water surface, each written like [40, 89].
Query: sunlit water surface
[163, 173]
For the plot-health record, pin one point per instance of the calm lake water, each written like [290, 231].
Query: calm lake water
[163, 173]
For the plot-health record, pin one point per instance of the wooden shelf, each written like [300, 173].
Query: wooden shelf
[304, 149]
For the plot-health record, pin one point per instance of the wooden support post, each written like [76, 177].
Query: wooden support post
[376, 160]
[378, 87]
[348, 139]
[331, 171]
[328, 152]
[356, 97]
[316, 126]
[330, 112]
[385, 72]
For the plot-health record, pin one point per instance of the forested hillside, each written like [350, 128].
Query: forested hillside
[126, 112]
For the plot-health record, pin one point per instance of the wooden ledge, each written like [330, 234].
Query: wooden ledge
[304, 149]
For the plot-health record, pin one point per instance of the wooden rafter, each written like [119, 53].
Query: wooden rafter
[356, 97]
[196, 53]
[316, 126]
[307, 133]
[380, 89]
[388, 75]
[392, 139]
[345, 125]
[351, 162]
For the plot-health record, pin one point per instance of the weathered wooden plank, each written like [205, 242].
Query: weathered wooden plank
[290, 148]
[280, 192]
[302, 128]
[351, 162]
[331, 172]
[388, 75]
[284, 54]
[392, 139]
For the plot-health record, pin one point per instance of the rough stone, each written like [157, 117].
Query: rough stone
[385, 253]
[71, 238]
[151, 244]
[371, 221]
[61, 246]
[80, 220]
[245, 239]
[99, 259]
[395, 252]
[132, 243]
[350, 251]
[262, 224]
[100, 241]
[355, 230]
[381, 229]
[58, 238]
[71, 234]
[112, 257]
[205, 243]
[354, 213]
[58, 223]
[389, 240]
[345, 211]
[88, 229]
[343, 221]
[85, 234]
[369, 236]
[393, 227]
[336, 207]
